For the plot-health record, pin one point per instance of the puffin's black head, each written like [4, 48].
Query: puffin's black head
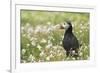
[67, 26]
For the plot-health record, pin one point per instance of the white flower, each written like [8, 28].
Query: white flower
[23, 51]
[43, 41]
[51, 51]
[33, 39]
[49, 29]
[73, 58]
[33, 43]
[48, 23]
[44, 29]
[29, 36]
[37, 29]
[58, 51]
[60, 42]
[30, 30]
[51, 56]
[60, 54]
[81, 24]
[24, 61]
[49, 45]
[27, 45]
[23, 35]
[80, 54]
[48, 58]
[73, 52]
[85, 47]
[80, 31]
[40, 28]
[81, 27]
[50, 37]
[55, 47]
[27, 24]
[22, 28]
[62, 37]
[39, 47]
[42, 53]
[76, 32]
[49, 41]
[31, 58]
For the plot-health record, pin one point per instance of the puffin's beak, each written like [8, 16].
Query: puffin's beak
[61, 27]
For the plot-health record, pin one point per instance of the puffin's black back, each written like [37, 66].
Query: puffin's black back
[70, 41]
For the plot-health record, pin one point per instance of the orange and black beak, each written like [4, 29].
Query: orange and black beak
[61, 27]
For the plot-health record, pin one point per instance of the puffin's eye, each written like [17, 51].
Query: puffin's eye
[63, 23]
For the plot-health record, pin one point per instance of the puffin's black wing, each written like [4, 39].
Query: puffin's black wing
[70, 42]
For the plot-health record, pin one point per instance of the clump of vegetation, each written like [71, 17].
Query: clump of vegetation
[41, 41]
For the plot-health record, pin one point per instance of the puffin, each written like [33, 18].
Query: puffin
[70, 43]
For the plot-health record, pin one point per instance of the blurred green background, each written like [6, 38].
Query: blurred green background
[41, 40]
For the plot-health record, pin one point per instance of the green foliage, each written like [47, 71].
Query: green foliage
[41, 41]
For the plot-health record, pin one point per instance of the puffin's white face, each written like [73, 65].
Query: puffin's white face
[65, 26]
